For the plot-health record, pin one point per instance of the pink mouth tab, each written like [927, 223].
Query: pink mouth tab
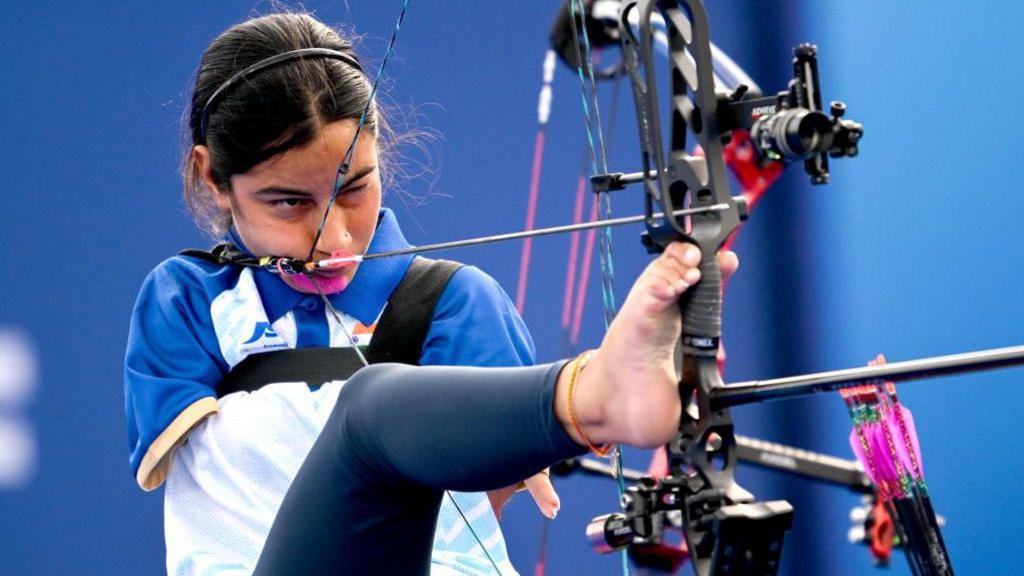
[308, 285]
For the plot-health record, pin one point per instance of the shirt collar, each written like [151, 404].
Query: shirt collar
[370, 289]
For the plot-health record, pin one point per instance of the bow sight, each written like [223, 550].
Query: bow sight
[793, 126]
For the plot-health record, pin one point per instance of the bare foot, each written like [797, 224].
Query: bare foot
[628, 392]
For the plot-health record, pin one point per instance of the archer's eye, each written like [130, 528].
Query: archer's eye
[352, 191]
[350, 196]
[288, 202]
[289, 207]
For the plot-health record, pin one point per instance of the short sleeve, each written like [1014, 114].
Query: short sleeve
[171, 368]
[476, 324]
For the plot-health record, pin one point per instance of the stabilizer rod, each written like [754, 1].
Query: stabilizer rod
[757, 391]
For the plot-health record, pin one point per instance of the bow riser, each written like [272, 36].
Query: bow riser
[726, 531]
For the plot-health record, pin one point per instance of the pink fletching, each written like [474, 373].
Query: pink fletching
[884, 464]
[862, 457]
[907, 427]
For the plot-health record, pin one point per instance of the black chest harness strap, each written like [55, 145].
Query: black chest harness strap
[398, 337]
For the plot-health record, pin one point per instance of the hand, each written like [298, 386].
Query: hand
[540, 488]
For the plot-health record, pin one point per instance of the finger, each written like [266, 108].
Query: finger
[684, 252]
[689, 255]
[664, 286]
[682, 260]
[543, 493]
[667, 279]
[728, 263]
[673, 263]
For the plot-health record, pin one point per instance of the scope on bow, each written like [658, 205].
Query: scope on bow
[792, 126]
[798, 129]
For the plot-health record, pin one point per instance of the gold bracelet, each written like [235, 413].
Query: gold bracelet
[577, 366]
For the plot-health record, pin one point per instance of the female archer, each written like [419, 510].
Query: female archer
[264, 155]
[222, 408]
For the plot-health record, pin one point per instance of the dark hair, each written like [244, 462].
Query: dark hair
[271, 111]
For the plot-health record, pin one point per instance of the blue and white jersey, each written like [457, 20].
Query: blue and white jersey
[227, 463]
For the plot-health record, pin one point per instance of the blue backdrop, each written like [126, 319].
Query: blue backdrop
[913, 251]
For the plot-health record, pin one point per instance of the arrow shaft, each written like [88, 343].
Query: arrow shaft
[332, 262]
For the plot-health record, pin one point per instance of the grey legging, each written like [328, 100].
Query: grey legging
[366, 499]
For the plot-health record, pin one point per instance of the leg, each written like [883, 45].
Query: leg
[365, 501]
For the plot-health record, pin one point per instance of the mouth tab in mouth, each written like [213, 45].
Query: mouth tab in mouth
[327, 276]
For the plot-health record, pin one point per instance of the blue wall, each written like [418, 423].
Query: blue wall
[913, 251]
[925, 240]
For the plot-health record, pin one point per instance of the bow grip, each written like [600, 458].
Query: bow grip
[701, 306]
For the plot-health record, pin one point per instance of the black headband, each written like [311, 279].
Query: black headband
[218, 95]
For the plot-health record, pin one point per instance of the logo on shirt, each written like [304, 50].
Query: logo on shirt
[263, 338]
[263, 329]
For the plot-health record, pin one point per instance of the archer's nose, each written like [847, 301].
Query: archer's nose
[335, 235]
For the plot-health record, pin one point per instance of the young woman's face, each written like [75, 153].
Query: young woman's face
[277, 205]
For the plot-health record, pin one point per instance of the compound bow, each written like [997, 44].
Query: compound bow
[727, 531]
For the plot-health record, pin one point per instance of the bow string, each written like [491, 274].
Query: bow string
[344, 167]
